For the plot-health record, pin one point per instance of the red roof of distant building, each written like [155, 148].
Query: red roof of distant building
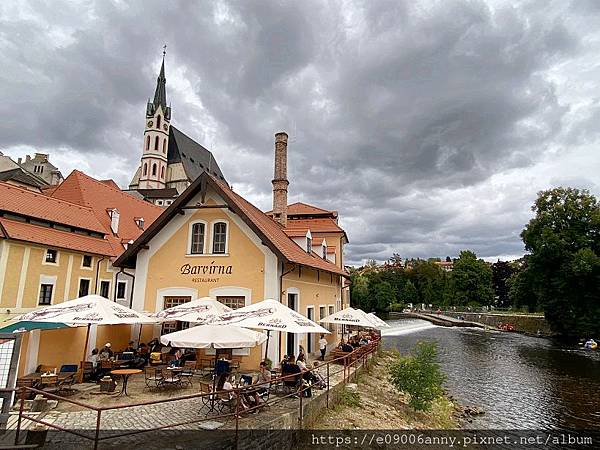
[23, 202]
[100, 197]
[27, 232]
[323, 225]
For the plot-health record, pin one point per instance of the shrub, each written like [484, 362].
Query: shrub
[396, 307]
[418, 375]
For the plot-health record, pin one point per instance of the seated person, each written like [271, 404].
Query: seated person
[144, 351]
[223, 384]
[320, 383]
[154, 346]
[263, 383]
[306, 374]
[130, 348]
[291, 368]
[177, 362]
[106, 352]
[345, 347]
[354, 342]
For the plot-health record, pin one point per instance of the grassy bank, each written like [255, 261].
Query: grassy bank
[377, 405]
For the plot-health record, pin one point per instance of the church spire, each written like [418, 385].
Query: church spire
[160, 95]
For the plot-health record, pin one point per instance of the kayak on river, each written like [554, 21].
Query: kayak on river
[590, 344]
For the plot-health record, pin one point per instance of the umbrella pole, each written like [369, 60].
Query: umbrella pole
[87, 339]
[140, 334]
[267, 346]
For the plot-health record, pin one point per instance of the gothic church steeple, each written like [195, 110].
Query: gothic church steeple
[153, 168]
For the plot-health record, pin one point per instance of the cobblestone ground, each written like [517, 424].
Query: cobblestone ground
[146, 417]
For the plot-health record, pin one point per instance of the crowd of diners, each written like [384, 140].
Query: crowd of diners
[135, 357]
[357, 340]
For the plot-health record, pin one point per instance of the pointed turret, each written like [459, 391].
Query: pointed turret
[160, 94]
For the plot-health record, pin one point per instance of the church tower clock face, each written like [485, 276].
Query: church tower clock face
[150, 123]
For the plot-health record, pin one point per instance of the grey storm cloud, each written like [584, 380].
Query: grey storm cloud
[401, 115]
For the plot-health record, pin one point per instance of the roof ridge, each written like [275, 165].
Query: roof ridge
[41, 194]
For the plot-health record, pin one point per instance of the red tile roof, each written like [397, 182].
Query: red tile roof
[300, 208]
[22, 231]
[321, 225]
[32, 204]
[101, 196]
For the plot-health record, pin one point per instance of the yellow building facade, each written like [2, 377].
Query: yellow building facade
[211, 242]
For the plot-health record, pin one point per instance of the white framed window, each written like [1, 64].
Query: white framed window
[331, 310]
[170, 302]
[86, 262]
[196, 238]
[51, 256]
[121, 289]
[104, 288]
[234, 297]
[46, 290]
[46, 293]
[219, 237]
[84, 287]
[233, 302]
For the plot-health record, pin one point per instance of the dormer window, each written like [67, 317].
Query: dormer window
[324, 249]
[139, 221]
[308, 242]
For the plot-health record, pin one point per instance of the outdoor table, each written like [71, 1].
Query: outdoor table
[125, 373]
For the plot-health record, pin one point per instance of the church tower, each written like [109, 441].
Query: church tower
[153, 168]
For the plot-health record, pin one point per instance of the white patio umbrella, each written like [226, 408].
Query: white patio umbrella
[214, 336]
[270, 315]
[88, 310]
[349, 316]
[377, 320]
[203, 311]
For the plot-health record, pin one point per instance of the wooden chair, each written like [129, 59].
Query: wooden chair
[87, 368]
[170, 378]
[153, 377]
[188, 372]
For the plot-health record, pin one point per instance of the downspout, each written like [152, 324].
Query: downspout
[97, 272]
[280, 295]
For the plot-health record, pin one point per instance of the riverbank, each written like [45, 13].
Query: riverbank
[377, 405]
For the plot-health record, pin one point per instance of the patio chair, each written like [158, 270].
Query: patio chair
[234, 367]
[65, 385]
[153, 377]
[87, 368]
[207, 364]
[170, 378]
[189, 369]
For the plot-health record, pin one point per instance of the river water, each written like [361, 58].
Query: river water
[520, 382]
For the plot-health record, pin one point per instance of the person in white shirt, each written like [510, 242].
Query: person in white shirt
[323, 346]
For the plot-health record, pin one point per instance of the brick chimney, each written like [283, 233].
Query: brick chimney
[280, 181]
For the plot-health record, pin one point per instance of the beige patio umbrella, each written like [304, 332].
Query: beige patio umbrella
[270, 315]
[88, 310]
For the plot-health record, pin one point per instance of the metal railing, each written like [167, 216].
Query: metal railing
[348, 365]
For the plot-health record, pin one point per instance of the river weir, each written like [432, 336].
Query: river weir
[521, 382]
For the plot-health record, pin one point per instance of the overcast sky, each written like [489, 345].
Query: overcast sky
[429, 126]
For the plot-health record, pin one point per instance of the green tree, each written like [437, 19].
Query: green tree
[564, 265]
[501, 271]
[359, 291]
[472, 280]
[419, 375]
[382, 293]
[409, 293]
[520, 291]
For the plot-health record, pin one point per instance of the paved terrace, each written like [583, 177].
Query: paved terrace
[146, 417]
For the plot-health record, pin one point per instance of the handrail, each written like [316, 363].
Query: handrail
[351, 360]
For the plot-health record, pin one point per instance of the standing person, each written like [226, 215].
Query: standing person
[94, 358]
[323, 346]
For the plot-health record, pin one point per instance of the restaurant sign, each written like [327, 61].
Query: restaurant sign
[207, 269]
